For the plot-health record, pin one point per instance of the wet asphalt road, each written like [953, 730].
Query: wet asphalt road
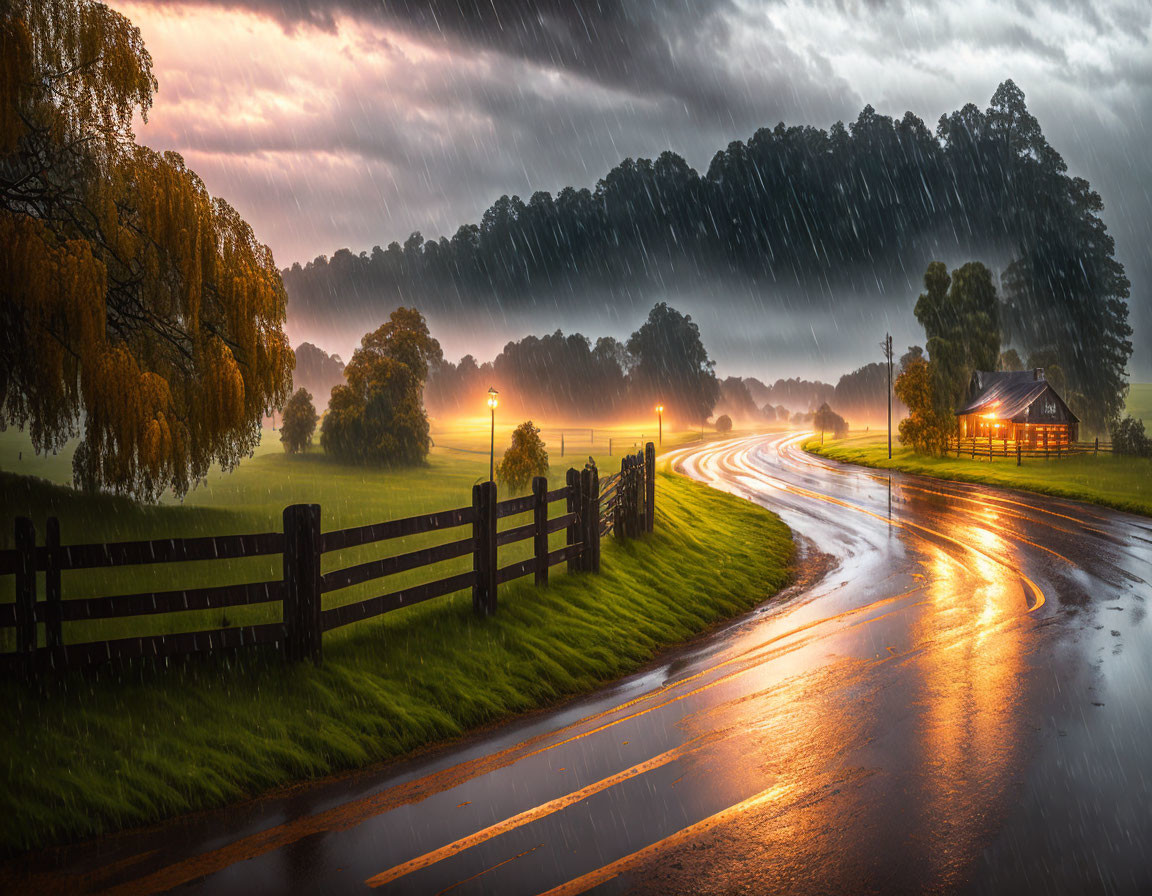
[956, 697]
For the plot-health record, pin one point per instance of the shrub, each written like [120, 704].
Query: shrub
[827, 420]
[299, 422]
[1128, 437]
[723, 423]
[525, 459]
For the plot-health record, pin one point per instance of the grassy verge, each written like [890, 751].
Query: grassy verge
[87, 755]
[1124, 483]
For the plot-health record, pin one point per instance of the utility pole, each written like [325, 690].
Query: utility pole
[887, 346]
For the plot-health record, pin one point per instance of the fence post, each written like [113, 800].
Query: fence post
[626, 495]
[25, 542]
[638, 494]
[1096, 450]
[540, 521]
[649, 487]
[53, 626]
[1045, 445]
[590, 519]
[561, 444]
[302, 583]
[484, 548]
[574, 506]
[479, 554]
[628, 480]
[1017, 454]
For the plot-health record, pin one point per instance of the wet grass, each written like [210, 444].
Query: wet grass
[1124, 483]
[90, 754]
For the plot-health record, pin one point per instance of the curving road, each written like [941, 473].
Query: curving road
[957, 696]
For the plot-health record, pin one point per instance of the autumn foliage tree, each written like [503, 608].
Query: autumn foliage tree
[136, 310]
[925, 430]
[299, 422]
[524, 459]
[377, 416]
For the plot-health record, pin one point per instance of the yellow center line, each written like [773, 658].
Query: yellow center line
[602, 875]
[528, 816]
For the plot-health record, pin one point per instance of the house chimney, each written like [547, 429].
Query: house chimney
[1038, 373]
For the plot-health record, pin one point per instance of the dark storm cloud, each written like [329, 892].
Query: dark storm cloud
[649, 47]
[370, 120]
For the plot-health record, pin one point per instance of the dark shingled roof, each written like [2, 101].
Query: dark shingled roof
[1007, 393]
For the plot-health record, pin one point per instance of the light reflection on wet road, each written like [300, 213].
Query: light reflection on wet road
[962, 701]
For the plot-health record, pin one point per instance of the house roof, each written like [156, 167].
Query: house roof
[1008, 394]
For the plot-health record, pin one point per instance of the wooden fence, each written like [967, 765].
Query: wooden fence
[990, 449]
[630, 503]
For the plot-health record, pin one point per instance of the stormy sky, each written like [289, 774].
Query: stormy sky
[355, 123]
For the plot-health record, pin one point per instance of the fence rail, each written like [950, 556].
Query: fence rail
[622, 503]
[989, 450]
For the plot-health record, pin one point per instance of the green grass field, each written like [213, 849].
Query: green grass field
[1121, 482]
[86, 755]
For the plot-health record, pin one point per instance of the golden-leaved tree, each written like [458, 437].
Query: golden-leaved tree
[136, 310]
[525, 458]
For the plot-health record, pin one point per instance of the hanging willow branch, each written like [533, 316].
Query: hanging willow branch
[135, 309]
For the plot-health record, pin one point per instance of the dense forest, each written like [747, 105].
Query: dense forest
[792, 205]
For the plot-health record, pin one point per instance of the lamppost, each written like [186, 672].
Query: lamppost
[660, 419]
[492, 402]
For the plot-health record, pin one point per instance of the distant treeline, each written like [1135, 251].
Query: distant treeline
[792, 205]
[570, 377]
[858, 396]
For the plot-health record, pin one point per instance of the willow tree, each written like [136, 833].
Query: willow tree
[136, 310]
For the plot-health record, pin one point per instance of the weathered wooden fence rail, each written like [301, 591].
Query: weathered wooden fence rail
[623, 504]
[990, 449]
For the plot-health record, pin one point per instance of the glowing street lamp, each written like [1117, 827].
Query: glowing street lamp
[492, 402]
[660, 418]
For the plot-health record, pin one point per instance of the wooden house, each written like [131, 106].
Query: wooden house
[1018, 406]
